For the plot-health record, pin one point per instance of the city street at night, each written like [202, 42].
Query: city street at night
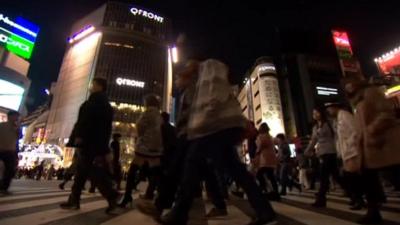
[36, 203]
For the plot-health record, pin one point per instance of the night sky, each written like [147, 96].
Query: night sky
[236, 32]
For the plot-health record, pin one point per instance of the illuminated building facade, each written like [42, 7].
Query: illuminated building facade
[260, 97]
[17, 41]
[128, 46]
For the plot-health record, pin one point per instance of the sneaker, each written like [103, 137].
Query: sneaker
[214, 213]
[259, 221]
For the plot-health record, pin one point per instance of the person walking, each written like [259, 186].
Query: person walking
[40, 171]
[265, 161]
[148, 149]
[378, 142]
[323, 140]
[92, 133]
[9, 135]
[214, 128]
[346, 143]
[285, 165]
[116, 151]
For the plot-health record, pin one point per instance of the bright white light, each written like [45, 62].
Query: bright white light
[376, 60]
[127, 82]
[174, 51]
[81, 34]
[47, 91]
[10, 95]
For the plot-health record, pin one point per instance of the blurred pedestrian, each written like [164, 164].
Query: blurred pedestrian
[9, 135]
[116, 150]
[346, 143]
[215, 128]
[40, 170]
[323, 141]
[265, 161]
[148, 149]
[91, 136]
[378, 140]
[286, 167]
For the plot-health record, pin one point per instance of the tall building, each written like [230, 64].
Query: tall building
[17, 41]
[127, 45]
[260, 96]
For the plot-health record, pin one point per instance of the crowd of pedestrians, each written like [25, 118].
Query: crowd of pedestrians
[351, 145]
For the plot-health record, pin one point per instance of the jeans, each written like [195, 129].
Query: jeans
[284, 176]
[220, 149]
[99, 174]
[9, 159]
[270, 173]
[328, 168]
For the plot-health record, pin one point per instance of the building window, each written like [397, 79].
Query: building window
[259, 121]
[255, 80]
[258, 107]
[256, 94]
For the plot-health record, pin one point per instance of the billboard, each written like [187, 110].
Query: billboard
[18, 35]
[10, 95]
[348, 62]
[389, 63]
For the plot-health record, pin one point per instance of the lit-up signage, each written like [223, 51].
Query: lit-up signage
[393, 90]
[267, 68]
[18, 36]
[343, 47]
[149, 15]
[325, 91]
[389, 63]
[127, 82]
[81, 34]
[10, 95]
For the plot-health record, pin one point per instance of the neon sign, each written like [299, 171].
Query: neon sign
[127, 82]
[327, 91]
[81, 33]
[149, 15]
[18, 36]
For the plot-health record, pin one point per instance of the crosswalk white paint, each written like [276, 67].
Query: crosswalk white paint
[52, 215]
[235, 216]
[33, 203]
[306, 216]
[342, 207]
[18, 197]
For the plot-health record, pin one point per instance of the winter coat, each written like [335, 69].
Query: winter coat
[378, 130]
[324, 139]
[94, 125]
[347, 141]
[214, 106]
[183, 114]
[149, 142]
[266, 154]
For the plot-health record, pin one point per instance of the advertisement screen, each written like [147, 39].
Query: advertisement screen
[10, 95]
[18, 35]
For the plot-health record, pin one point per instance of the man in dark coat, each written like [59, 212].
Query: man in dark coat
[91, 136]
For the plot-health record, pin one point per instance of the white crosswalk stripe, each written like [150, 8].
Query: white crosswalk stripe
[293, 210]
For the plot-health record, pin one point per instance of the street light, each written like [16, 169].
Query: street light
[175, 54]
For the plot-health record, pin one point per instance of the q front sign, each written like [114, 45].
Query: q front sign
[18, 35]
[152, 16]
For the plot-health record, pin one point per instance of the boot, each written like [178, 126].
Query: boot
[320, 202]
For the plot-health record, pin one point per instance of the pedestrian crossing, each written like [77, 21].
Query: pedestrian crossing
[39, 206]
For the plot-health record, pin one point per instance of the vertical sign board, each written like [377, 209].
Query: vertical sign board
[18, 35]
[343, 47]
[271, 105]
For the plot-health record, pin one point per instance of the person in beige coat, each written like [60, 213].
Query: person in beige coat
[378, 140]
[265, 160]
